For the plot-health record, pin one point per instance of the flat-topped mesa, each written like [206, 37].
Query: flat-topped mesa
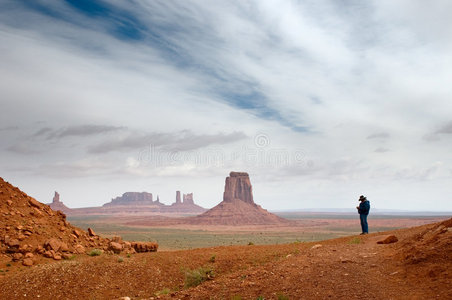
[132, 198]
[238, 187]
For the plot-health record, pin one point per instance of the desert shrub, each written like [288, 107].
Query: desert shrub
[250, 243]
[8, 265]
[282, 297]
[260, 298]
[355, 240]
[212, 258]
[198, 276]
[95, 252]
[165, 291]
[70, 257]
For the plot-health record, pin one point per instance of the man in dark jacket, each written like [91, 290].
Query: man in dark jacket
[363, 210]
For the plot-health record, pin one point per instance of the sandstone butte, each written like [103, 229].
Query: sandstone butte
[238, 207]
[31, 230]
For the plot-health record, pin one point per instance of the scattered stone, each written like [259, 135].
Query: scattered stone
[17, 256]
[316, 246]
[9, 202]
[388, 240]
[29, 255]
[52, 244]
[28, 262]
[64, 247]
[79, 249]
[76, 233]
[34, 203]
[91, 232]
[115, 247]
[57, 256]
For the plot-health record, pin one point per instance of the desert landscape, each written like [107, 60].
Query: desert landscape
[225, 150]
[44, 256]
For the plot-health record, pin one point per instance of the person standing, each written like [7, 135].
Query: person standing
[363, 210]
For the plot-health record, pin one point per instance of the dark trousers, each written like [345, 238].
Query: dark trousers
[364, 226]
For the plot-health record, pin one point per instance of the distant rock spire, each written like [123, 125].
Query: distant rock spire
[56, 198]
[178, 201]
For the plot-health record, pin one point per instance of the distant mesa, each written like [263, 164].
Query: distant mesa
[134, 203]
[133, 199]
[238, 207]
[58, 205]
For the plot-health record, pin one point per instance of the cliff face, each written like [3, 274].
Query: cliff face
[238, 187]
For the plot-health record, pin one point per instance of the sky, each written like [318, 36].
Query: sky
[319, 101]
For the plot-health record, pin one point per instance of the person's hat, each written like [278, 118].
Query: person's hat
[362, 198]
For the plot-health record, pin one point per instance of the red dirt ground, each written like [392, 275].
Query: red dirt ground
[356, 267]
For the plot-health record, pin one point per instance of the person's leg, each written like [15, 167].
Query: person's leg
[361, 219]
[366, 226]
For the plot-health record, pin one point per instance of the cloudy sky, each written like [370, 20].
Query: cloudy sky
[319, 101]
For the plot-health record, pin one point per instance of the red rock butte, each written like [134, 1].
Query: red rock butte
[238, 207]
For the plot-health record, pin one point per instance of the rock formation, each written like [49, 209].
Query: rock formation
[132, 198]
[188, 199]
[30, 229]
[238, 187]
[238, 207]
[186, 206]
[59, 205]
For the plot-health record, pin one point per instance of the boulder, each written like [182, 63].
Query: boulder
[388, 239]
[115, 247]
[52, 244]
[91, 232]
[79, 249]
[28, 262]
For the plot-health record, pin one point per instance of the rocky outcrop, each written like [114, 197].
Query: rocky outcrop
[30, 229]
[186, 206]
[238, 207]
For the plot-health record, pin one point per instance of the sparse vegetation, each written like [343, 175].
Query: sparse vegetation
[129, 255]
[212, 258]
[95, 252]
[260, 298]
[120, 259]
[250, 243]
[236, 297]
[355, 240]
[165, 291]
[70, 257]
[282, 297]
[8, 265]
[198, 276]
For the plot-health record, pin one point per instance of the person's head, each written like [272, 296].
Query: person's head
[362, 198]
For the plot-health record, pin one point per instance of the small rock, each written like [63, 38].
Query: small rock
[29, 255]
[115, 247]
[79, 249]
[17, 256]
[52, 244]
[388, 240]
[57, 256]
[9, 202]
[316, 246]
[64, 247]
[76, 233]
[91, 232]
[28, 262]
